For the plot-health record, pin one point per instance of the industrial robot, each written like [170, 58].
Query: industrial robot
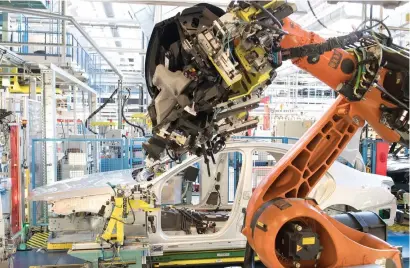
[206, 68]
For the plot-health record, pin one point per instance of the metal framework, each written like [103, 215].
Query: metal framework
[118, 31]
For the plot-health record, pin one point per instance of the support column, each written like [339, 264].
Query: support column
[64, 32]
[49, 116]
[92, 100]
[84, 104]
[32, 87]
[74, 90]
[364, 12]
[119, 104]
[157, 14]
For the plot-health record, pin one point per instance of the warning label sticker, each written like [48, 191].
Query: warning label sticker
[308, 241]
[335, 59]
[282, 204]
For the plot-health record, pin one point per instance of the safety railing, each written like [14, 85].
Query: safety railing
[88, 62]
[50, 44]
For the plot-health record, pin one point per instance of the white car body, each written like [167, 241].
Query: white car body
[341, 185]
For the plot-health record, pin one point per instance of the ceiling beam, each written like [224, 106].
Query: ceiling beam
[106, 49]
[110, 25]
[86, 22]
[121, 49]
[117, 38]
[222, 3]
[106, 20]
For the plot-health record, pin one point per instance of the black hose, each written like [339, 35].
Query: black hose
[170, 156]
[379, 22]
[99, 109]
[270, 15]
[320, 48]
[398, 102]
[398, 150]
[364, 30]
[125, 118]
[392, 147]
[317, 19]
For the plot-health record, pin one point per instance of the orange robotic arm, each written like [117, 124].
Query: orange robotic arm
[279, 203]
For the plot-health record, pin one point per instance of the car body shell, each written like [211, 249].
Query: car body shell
[341, 185]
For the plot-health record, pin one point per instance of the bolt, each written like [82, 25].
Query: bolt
[298, 227]
[296, 264]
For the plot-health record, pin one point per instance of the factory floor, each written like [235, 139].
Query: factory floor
[36, 258]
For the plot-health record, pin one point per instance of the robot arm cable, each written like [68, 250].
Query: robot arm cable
[99, 109]
[269, 14]
[125, 118]
[319, 49]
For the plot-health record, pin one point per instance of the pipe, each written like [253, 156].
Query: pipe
[120, 104]
[87, 24]
[32, 87]
[109, 49]
[96, 24]
[74, 22]
[17, 44]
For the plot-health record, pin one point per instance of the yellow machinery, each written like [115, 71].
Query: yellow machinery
[122, 206]
[16, 88]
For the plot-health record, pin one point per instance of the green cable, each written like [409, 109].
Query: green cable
[359, 73]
